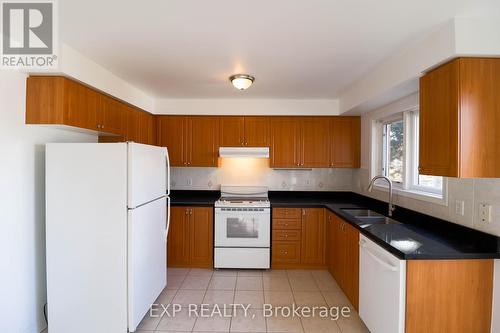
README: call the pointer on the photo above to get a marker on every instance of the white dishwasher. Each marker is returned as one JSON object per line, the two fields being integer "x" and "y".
{"x": 382, "y": 288}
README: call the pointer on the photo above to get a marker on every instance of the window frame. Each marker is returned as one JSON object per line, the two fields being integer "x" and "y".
{"x": 409, "y": 187}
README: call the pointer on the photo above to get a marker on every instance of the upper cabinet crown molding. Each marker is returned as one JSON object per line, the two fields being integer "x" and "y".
{"x": 459, "y": 119}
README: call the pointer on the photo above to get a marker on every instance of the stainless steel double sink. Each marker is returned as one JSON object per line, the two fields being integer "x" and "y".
{"x": 366, "y": 217}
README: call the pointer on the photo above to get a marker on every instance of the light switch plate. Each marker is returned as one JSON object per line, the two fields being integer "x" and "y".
{"x": 459, "y": 207}
{"x": 485, "y": 212}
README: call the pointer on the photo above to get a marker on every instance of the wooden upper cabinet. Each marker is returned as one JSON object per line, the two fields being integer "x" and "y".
{"x": 81, "y": 105}
{"x": 60, "y": 101}
{"x": 345, "y": 134}
{"x": 285, "y": 142}
{"x": 438, "y": 121}
{"x": 257, "y": 131}
{"x": 232, "y": 131}
{"x": 244, "y": 131}
{"x": 171, "y": 133}
{"x": 313, "y": 236}
{"x": 315, "y": 143}
{"x": 191, "y": 141}
{"x": 141, "y": 126}
{"x": 111, "y": 115}
{"x": 202, "y": 141}
{"x": 459, "y": 122}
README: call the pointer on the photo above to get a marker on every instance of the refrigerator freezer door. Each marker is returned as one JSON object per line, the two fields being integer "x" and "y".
{"x": 147, "y": 274}
{"x": 147, "y": 173}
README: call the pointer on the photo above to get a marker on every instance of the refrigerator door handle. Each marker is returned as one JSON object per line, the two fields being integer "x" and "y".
{"x": 168, "y": 176}
{"x": 168, "y": 216}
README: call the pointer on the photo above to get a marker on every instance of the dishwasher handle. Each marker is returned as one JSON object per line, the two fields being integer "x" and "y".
{"x": 377, "y": 258}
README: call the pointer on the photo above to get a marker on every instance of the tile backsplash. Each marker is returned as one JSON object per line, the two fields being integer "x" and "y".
{"x": 256, "y": 172}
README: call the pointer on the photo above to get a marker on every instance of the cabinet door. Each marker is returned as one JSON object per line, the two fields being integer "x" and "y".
{"x": 202, "y": 141}
{"x": 439, "y": 121}
{"x": 80, "y": 105}
{"x": 339, "y": 250}
{"x": 257, "y": 131}
{"x": 351, "y": 283}
{"x": 285, "y": 142}
{"x": 178, "y": 238}
{"x": 111, "y": 115}
{"x": 330, "y": 242}
{"x": 313, "y": 236}
{"x": 171, "y": 133}
{"x": 286, "y": 252}
{"x": 147, "y": 128}
{"x": 232, "y": 133}
{"x": 133, "y": 125}
{"x": 315, "y": 142}
{"x": 345, "y": 142}
{"x": 201, "y": 234}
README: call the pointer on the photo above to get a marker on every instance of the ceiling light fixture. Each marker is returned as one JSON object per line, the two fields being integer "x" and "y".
{"x": 241, "y": 81}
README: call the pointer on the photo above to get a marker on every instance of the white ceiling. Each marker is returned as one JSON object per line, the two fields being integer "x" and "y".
{"x": 296, "y": 49}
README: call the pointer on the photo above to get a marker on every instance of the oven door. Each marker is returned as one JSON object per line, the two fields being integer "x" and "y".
{"x": 242, "y": 227}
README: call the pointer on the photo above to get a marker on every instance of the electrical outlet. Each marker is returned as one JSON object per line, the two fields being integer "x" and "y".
{"x": 308, "y": 182}
{"x": 190, "y": 181}
{"x": 459, "y": 207}
{"x": 485, "y": 212}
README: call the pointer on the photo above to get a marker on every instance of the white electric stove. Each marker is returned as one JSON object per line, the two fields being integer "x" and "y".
{"x": 243, "y": 228}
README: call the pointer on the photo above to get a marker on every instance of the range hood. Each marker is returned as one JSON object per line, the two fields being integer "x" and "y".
{"x": 255, "y": 152}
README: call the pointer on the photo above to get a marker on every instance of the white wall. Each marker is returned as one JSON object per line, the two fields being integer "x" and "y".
{"x": 247, "y": 106}
{"x": 22, "y": 207}
{"x": 75, "y": 65}
{"x": 398, "y": 75}
{"x": 241, "y": 171}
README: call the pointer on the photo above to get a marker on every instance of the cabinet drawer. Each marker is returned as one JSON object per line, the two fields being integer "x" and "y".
{"x": 287, "y": 224}
{"x": 286, "y": 252}
{"x": 287, "y": 213}
{"x": 286, "y": 235}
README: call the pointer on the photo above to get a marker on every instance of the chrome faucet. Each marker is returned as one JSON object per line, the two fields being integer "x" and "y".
{"x": 370, "y": 187}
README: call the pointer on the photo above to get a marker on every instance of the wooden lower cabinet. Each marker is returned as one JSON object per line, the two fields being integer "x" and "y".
{"x": 343, "y": 256}
{"x": 449, "y": 296}
{"x": 298, "y": 238}
{"x": 313, "y": 236}
{"x": 190, "y": 238}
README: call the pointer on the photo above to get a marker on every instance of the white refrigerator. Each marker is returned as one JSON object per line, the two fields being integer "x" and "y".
{"x": 107, "y": 217}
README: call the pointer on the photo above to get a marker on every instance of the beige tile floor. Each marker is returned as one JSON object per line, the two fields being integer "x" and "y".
{"x": 276, "y": 287}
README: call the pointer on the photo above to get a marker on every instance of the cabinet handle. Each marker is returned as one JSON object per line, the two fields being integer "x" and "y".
{"x": 187, "y": 211}
{"x": 190, "y": 212}
{"x": 286, "y": 224}
{"x": 242, "y": 143}
{"x": 246, "y": 143}
{"x": 303, "y": 212}
{"x": 286, "y": 236}
{"x": 285, "y": 252}
{"x": 102, "y": 126}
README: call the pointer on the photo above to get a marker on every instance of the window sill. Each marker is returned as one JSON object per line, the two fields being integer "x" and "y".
{"x": 439, "y": 199}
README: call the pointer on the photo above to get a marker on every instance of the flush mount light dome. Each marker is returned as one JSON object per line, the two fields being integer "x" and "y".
{"x": 241, "y": 81}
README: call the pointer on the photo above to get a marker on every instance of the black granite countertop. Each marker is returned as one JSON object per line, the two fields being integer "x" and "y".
{"x": 419, "y": 236}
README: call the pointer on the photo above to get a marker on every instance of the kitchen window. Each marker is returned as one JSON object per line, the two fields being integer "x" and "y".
{"x": 396, "y": 157}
